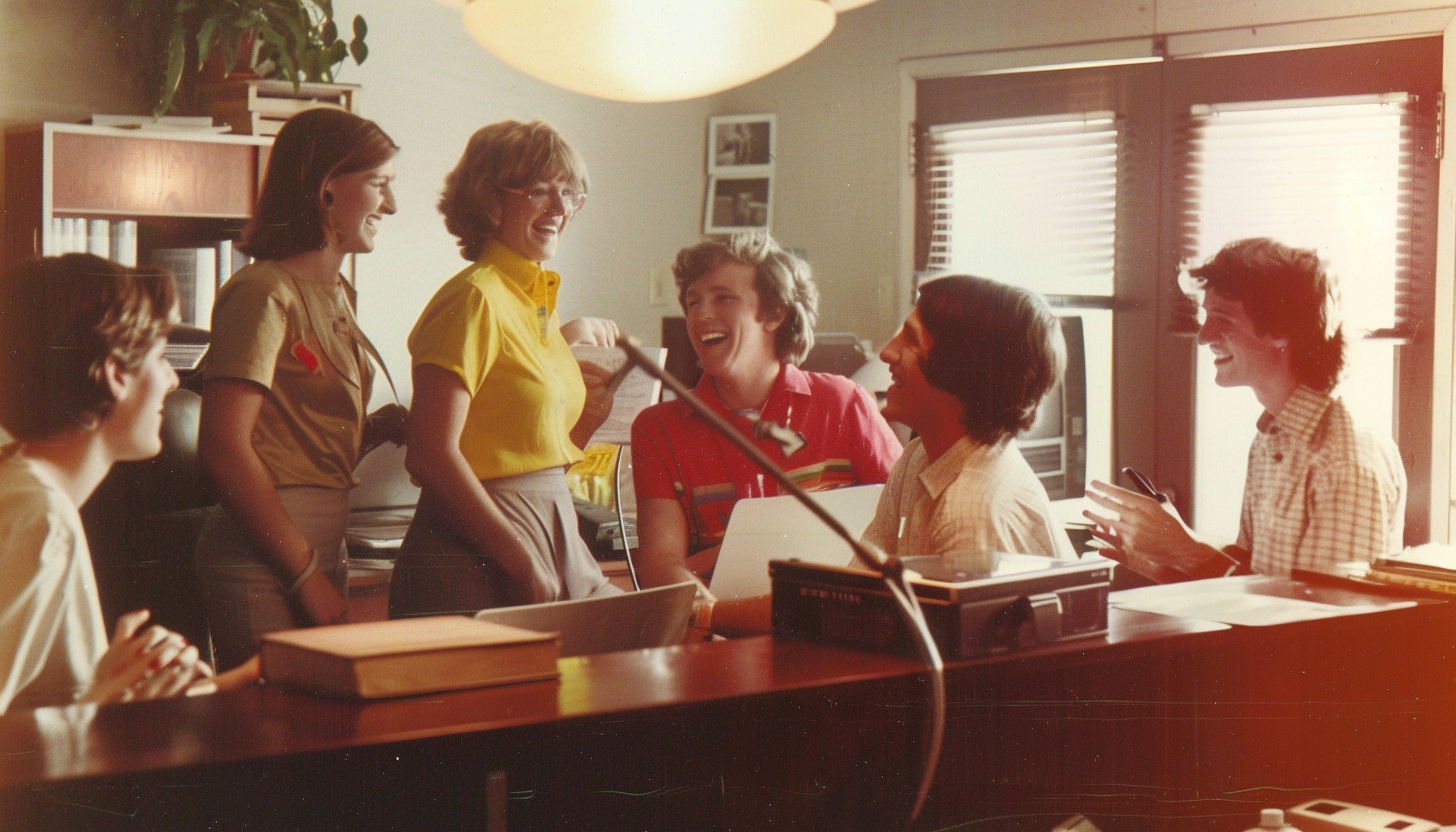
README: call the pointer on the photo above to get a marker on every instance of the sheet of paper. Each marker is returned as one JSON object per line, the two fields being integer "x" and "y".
{"x": 779, "y": 528}
{"x": 634, "y": 393}
{"x": 1430, "y": 554}
{"x": 1227, "y": 601}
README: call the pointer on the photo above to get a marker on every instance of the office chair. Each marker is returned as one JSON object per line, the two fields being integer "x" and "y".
{"x": 142, "y": 524}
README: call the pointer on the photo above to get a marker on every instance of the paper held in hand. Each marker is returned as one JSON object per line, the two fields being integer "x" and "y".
{"x": 408, "y": 656}
{"x": 634, "y": 393}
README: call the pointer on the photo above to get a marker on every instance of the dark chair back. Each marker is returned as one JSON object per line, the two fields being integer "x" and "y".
{"x": 142, "y": 525}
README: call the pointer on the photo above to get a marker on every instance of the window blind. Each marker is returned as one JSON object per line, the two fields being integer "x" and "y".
{"x": 1030, "y": 201}
{"x": 1342, "y": 175}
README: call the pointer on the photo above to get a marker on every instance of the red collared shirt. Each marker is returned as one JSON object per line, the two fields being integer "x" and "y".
{"x": 677, "y": 455}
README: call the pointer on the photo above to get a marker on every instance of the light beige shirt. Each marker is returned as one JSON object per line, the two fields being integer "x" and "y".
{"x": 51, "y": 630}
{"x": 973, "y": 501}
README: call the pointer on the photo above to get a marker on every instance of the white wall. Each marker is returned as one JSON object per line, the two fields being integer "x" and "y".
{"x": 430, "y": 86}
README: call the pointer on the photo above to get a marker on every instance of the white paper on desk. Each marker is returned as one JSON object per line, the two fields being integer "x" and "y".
{"x": 780, "y": 528}
{"x": 634, "y": 393}
{"x": 1227, "y": 601}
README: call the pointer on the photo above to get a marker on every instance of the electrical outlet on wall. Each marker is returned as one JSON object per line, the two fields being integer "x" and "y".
{"x": 660, "y": 286}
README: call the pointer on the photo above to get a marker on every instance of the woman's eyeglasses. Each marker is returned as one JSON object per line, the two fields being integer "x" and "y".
{"x": 540, "y": 196}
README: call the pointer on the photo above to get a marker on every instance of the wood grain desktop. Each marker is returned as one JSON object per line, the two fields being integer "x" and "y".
{"x": 1164, "y": 724}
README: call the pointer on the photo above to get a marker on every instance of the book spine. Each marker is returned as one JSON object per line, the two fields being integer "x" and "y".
{"x": 98, "y": 238}
{"x": 124, "y": 242}
{"x": 1435, "y": 574}
{"x": 224, "y": 261}
{"x": 75, "y": 236}
{"x": 1427, "y": 584}
{"x": 206, "y": 291}
{"x": 182, "y": 264}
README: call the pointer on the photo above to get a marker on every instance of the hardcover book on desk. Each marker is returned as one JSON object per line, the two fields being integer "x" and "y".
{"x": 408, "y": 656}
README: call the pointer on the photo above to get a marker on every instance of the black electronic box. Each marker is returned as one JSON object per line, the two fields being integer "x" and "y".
{"x": 1024, "y": 600}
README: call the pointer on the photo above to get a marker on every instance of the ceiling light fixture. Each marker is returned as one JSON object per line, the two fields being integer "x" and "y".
{"x": 650, "y": 50}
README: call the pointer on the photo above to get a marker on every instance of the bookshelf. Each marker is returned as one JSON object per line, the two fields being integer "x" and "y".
{"x": 182, "y": 189}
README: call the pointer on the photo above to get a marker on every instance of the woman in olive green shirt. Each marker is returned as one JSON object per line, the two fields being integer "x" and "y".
{"x": 287, "y": 384}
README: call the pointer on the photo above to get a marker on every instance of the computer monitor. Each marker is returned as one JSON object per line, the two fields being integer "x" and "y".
{"x": 1055, "y": 446}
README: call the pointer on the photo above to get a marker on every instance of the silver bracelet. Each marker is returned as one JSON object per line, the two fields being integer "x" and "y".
{"x": 307, "y": 573}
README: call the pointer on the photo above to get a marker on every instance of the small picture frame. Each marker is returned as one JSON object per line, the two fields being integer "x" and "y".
{"x": 741, "y": 144}
{"x": 738, "y": 203}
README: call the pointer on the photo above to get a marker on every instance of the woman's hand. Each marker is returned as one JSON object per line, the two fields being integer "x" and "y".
{"x": 321, "y": 601}
{"x": 598, "y": 406}
{"x": 155, "y": 664}
{"x": 387, "y": 424}
{"x": 433, "y": 458}
{"x": 599, "y": 332}
{"x": 230, "y": 409}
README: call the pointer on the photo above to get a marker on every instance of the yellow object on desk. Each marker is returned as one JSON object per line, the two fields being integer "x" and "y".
{"x": 592, "y": 478}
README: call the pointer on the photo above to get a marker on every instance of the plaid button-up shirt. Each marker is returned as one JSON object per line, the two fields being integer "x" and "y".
{"x": 1319, "y": 490}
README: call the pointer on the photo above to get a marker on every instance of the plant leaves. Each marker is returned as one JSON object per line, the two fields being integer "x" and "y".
{"x": 204, "y": 41}
{"x": 359, "y": 50}
{"x": 287, "y": 63}
{"x": 360, "y": 27}
{"x": 172, "y": 75}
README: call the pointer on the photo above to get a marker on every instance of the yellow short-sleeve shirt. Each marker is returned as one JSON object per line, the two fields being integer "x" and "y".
{"x": 295, "y": 340}
{"x": 494, "y": 325}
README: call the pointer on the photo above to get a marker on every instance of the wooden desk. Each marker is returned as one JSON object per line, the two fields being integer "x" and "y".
{"x": 1164, "y": 724}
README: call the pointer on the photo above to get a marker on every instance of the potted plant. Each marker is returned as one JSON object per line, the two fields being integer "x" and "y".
{"x": 172, "y": 40}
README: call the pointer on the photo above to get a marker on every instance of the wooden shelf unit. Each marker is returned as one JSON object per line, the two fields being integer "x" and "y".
{"x": 183, "y": 188}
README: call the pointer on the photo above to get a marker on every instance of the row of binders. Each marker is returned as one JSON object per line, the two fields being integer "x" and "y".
{"x": 113, "y": 240}
{"x": 199, "y": 270}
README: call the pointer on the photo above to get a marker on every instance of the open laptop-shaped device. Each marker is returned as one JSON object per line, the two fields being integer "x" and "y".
{"x": 655, "y": 617}
{"x": 780, "y": 528}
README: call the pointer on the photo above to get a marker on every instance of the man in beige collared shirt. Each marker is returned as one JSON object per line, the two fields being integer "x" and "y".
{"x": 968, "y": 369}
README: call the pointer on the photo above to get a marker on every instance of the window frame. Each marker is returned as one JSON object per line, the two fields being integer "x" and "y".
{"x": 1152, "y": 98}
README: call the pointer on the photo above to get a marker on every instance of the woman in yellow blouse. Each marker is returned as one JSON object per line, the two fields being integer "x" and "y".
{"x": 500, "y": 406}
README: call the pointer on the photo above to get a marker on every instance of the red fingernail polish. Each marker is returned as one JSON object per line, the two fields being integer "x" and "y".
{"x": 156, "y": 664}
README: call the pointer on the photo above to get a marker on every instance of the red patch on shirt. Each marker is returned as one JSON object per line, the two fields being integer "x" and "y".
{"x": 305, "y": 356}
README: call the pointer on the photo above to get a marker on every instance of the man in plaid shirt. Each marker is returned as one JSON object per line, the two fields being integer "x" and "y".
{"x": 1319, "y": 490}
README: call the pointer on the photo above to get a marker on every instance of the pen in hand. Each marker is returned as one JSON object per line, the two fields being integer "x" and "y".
{"x": 1145, "y": 485}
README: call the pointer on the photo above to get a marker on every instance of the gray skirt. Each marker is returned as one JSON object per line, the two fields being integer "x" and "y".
{"x": 241, "y": 589}
{"x": 438, "y": 573}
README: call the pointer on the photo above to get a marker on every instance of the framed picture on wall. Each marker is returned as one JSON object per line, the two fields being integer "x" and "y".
{"x": 741, "y": 144}
{"x": 738, "y": 203}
